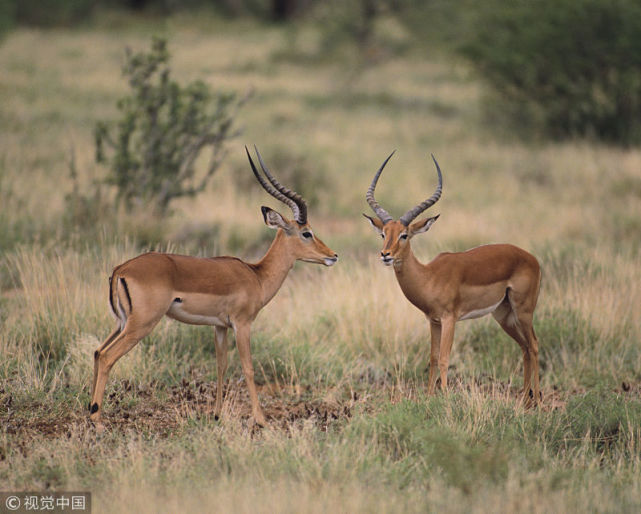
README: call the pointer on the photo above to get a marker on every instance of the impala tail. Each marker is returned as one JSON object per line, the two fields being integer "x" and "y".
{"x": 119, "y": 299}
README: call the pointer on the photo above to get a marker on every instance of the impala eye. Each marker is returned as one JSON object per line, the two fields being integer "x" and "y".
{"x": 307, "y": 235}
{"x": 403, "y": 236}
{"x": 383, "y": 236}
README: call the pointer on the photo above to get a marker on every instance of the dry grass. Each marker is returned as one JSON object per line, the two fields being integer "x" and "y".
{"x": 340, "y": 354}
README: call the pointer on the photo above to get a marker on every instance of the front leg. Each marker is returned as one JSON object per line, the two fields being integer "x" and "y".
{"x": 447, "y": 338}
{"x": 435, "y": 348}
{"x": 242, "y": 342}
{"x": 221, "y": 364}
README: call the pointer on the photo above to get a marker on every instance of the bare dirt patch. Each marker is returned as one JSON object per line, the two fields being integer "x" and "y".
{"x": 163, "y": 410}
{"x": 283, "y": 406}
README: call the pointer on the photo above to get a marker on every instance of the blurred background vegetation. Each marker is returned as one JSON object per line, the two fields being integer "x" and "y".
{"x": 556, "y": 68}
{"x": 532, "y": 109}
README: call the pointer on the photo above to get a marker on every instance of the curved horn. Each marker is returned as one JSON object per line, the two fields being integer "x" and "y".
{"x": 369, "y": 196}
{"x": 407, "y": 218}
{"x": 301, "y": 215}
{"x": 272, "y": 191}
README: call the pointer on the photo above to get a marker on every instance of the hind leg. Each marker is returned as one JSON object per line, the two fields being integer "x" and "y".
{"x": 525, "y": 322}
{"x": 508, "y": 321}
{"x": 115, "y": 332}
{"x": 523, "y": 297}
{"x": 515, "y": 317}
{"x": 132, "y": 332}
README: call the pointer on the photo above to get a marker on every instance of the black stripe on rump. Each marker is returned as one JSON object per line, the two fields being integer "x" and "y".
{"x": 124, "y": 285}
{"x": 111, "y": 296}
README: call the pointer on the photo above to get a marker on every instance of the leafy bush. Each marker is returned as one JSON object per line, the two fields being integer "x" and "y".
{"x": 564, "y": 67}
{"x": 164, "y": 127}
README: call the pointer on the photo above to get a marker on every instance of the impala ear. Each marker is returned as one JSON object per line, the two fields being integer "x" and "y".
{"x": 274, "y": 219}
{"x": 420, "y": 226}
{"x": 376, "y": 223}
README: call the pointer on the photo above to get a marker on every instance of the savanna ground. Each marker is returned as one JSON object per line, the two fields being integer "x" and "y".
{"x": 341, "y": 357}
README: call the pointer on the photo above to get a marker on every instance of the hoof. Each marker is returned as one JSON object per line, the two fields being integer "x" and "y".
{"x": 531, "y": 393}
{"x": 96, "y": 423}
{"x": 530, "y": 401}
{"x": 259, "y": 421}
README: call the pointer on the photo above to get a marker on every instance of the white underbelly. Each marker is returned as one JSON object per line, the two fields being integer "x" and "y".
{"x": 477, "y": 313}
{"x": 178, "y": 313}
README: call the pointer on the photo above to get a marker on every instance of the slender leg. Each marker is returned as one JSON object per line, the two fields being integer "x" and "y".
{"x": 516, "y": 319}
{"x": 435, "y": 348}
{"x": 525, "y": 321}
{"x": 108, "y": 356}
{"x": 221, "y": 364}
{"x": 242, "y": 342}
{"x": 115, "y": 332}
{"x": 509, "y": 324}
{"x": 447, "y": 338}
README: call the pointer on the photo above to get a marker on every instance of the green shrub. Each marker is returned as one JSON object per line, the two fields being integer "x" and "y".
{"x": 164, "y": 127}
{"x": 565, "y": 68}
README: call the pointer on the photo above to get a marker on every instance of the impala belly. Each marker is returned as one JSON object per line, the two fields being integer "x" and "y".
{"x": 477, "y": 313}
{"x": 182, "y": 309}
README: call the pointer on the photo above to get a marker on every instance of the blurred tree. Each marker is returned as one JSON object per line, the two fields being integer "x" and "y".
{"x": 283, "y": 9}
{"x": 563, "y": 67}
{"x": 164, "y": 127}
{"x": 7, "y": 16}
{"x": 48, "y": 13}
{"x": 354, "y": 24}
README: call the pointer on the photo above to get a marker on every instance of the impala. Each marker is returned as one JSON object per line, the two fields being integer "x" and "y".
{"x": 500, "y": 279}
{"x": 224, "y": 292}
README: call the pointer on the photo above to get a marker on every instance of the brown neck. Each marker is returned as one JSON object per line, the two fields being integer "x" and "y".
{"x": 408, "y": 269}
{"x": 274, "y": 266}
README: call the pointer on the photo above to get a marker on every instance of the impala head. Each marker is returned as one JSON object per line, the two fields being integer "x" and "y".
{"x": 396, "y": 234}
{"x": 299, "y": 235}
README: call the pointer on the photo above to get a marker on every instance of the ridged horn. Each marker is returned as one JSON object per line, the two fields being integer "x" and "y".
{"x": 407, "y": 218}
{"x": 369, "y": 196}
{"x": 290, "y": 198}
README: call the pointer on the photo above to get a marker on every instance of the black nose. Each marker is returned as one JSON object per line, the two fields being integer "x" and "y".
{"x": 384, "y": 254}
